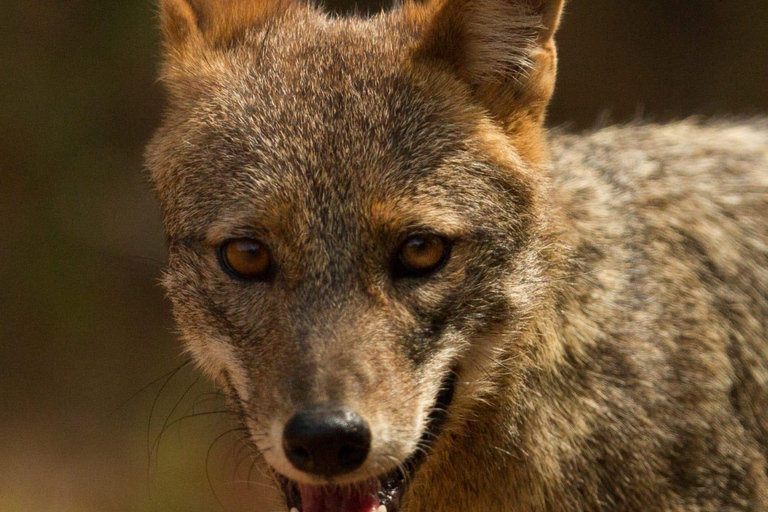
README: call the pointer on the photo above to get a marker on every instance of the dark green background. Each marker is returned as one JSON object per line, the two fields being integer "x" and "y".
{"x": 83, "y": 322}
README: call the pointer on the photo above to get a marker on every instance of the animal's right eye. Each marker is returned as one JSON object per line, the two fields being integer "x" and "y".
{"x": 246, "y": 259}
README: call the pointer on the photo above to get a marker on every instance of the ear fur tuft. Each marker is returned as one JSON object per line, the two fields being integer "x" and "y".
{"x": 503, "y": 49}
{"x": 179, "y": 23}
{"x": 499, "y": 39}
{"x": 213, "y": 22}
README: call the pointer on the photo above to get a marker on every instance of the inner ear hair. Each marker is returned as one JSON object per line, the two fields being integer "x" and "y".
{"x": 503, "y": 49}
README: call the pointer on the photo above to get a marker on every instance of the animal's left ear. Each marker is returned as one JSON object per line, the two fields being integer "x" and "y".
{"x": 503, "y": 49}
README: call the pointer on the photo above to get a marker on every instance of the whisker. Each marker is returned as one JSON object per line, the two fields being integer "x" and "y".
{"x": 156, "y": 444}
{"x": 208, "y": 460}
{"x": 147, "y": 386}
{"x": 168, "y": 379}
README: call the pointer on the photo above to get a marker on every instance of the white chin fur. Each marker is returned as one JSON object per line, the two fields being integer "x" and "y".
{"x": 216, "y": 356}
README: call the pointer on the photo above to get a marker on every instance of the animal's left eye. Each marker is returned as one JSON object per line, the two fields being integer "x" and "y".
{"x": 421, "y": 255}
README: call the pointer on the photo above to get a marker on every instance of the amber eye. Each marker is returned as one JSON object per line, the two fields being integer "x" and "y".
{"x": 422, "y": 254}
{"x": 246, "y": 258}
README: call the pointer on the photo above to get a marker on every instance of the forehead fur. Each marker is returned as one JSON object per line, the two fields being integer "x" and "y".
{"x": 309, "y": 107}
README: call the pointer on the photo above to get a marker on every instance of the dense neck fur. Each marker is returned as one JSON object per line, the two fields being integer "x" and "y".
{"x": 651, "y": 334}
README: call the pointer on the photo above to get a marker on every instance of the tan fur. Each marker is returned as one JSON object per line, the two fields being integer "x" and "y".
{"x": 604, "y": 305}
{"x": 200, "y": 23}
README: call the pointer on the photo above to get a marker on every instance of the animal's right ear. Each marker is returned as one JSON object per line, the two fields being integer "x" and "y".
{"x": 195, "y": 23}
{"x": 180, "y": 23}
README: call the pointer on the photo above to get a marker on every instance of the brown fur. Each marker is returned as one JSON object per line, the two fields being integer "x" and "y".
{"x": 605, "y": 302}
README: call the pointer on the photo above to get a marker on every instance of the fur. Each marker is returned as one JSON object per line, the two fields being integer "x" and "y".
{"x": 605, "y": 303}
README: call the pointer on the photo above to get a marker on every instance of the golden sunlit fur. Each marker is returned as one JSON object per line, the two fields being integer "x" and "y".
{"x": 604, "y": 305}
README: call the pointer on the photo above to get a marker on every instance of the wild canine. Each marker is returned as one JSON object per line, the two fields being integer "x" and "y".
{"x": 418, "y": 300}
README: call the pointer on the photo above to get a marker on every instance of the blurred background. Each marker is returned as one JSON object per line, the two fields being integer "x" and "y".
{"x": 85, "y": 332}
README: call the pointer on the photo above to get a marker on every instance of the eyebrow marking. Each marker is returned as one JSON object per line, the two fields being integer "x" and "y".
{"x": 404, "y": 214}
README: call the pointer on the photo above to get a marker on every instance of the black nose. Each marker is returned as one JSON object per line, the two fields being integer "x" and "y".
{"x": 327, "y": 440}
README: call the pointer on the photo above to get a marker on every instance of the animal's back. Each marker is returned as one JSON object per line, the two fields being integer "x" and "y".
{"x": 669, "y": 226}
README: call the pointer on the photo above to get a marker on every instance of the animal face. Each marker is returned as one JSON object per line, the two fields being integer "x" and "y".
{"x": 350, "y": 218}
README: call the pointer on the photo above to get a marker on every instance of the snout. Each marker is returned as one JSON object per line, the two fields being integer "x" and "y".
{"x": 333, "y": 460}
{"x": 327, "y": 440}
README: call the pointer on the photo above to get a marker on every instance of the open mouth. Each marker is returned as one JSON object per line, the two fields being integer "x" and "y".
{"x": 382, "y": 494}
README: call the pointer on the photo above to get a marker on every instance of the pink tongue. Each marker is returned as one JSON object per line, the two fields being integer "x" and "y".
{"x": 362, "y": 497}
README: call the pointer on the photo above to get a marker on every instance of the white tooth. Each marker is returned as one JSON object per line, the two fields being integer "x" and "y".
{"x": 294, "y": 509}
{"x": 382, "y": 508}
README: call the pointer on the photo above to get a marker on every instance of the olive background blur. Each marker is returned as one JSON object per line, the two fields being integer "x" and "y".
{"x": 83, "y": 321}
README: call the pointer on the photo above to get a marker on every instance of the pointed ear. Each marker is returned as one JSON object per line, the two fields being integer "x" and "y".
{"x": 188, "y": 23}
{"x": 503, "y": 49}
{"x": 179, "y": 22}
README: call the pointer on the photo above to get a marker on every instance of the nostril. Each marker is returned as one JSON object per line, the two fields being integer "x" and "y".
{"x": 327, "y": 440}
{"x": 352, "y": 456}
{"x": 300, "y": 456}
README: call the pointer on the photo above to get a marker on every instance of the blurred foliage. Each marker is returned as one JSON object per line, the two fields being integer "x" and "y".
{"x": 83, "y": 323}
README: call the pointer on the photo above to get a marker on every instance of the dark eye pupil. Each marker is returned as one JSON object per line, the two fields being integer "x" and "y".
{"x": 249, "y": 247}
{"x": 417, "y": 244}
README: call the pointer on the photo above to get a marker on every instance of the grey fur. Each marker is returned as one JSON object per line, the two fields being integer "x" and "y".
{"x": 605, "y": 302}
